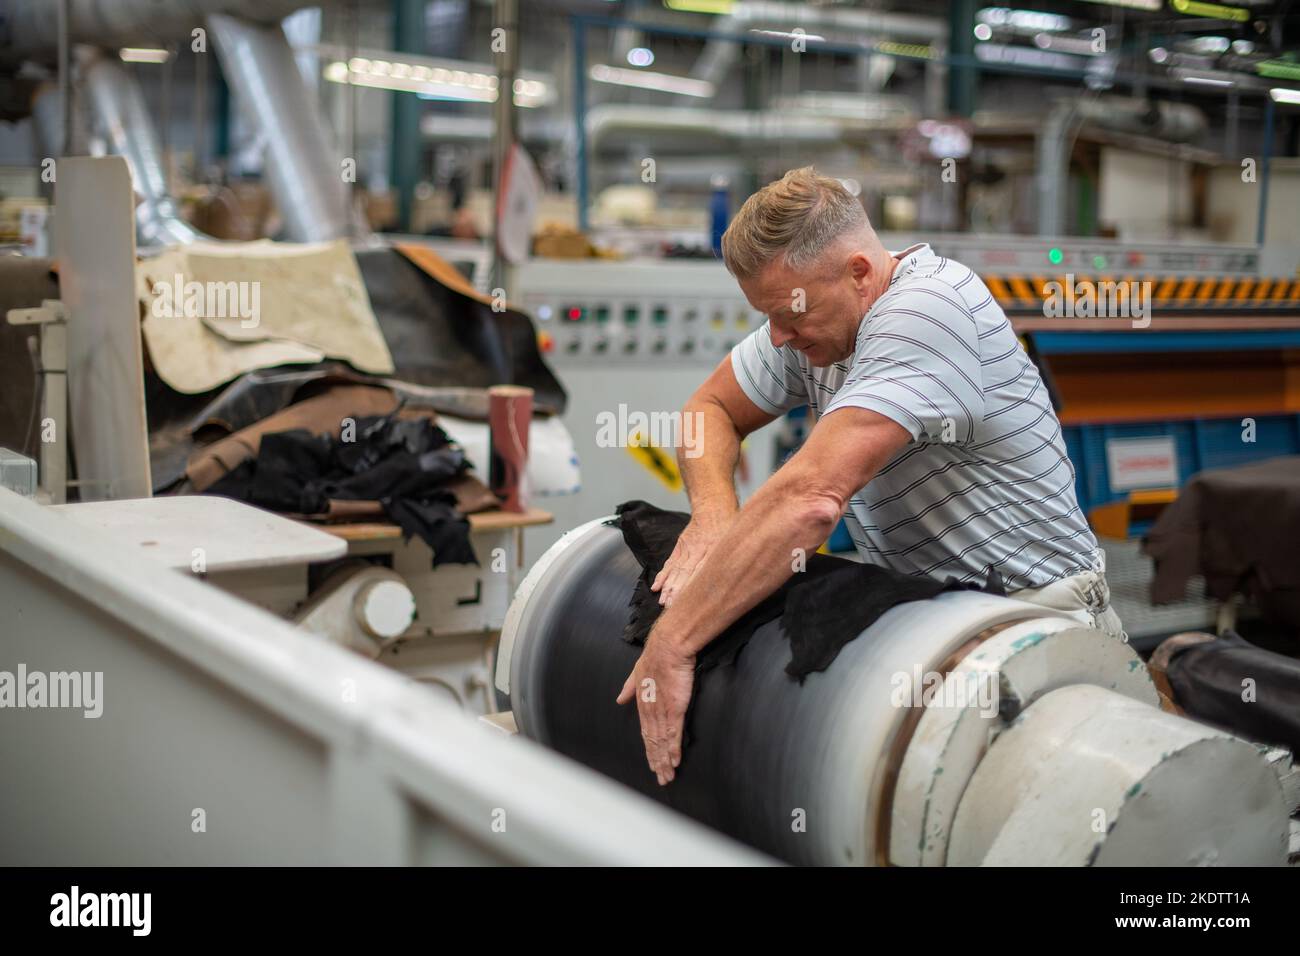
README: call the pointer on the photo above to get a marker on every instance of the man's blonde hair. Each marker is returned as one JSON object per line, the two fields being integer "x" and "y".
{"x": 795, "y": 218}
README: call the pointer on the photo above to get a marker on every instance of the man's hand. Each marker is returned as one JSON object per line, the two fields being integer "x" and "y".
{"x": 693, "y": 546}
{"x": 661, "y": 681}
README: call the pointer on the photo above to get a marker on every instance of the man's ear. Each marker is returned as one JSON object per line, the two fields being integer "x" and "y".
{"x": 860, "y": 269}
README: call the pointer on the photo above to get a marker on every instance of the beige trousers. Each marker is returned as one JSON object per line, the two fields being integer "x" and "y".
{"x": 1084, "y": 596}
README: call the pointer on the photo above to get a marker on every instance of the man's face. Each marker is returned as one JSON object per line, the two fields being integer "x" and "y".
{"x": 817, "y": 311}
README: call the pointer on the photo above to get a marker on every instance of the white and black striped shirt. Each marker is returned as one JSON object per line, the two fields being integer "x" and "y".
{"x": 985, "y": 481}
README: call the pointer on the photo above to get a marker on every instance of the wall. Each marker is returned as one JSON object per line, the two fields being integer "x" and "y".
{"x": 1233, "y": 205}
{"x": 1143, "y": 196}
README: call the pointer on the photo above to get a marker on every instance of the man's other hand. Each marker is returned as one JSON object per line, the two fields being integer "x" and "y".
{"x": 692, "y": 547}
{"x": 661, "y": 682}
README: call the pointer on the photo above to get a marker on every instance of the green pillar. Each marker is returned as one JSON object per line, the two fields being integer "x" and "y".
{"x": 407, "y": 149}
{"x": 220, "y": 111}
{"x": 961, "y": 45}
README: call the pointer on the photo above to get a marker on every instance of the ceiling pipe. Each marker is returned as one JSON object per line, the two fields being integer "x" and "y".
{"x": 302, "y": 166}
{"x": 719, "y": 55}
{"x": 1176, "y": 122}
{"x": 119, "y": 109}
{"x": 29, "y": 29}
{"x": 732, "y": 124}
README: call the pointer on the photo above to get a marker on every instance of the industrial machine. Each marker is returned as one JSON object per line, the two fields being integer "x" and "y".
{"x": 227, "y": 736}
{"x": 970, "y": 729}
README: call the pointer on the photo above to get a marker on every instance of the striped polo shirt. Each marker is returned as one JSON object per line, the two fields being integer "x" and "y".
{"x": 985, "y": 482}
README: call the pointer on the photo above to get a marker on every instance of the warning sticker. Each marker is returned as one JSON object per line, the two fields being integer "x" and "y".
{"x": 658, "y": 461}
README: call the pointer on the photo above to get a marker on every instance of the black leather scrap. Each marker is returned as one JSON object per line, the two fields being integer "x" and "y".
{"x": 404, "y": 464}
{"x": 820, "y": 609}
{"x": 1208, "y": 681}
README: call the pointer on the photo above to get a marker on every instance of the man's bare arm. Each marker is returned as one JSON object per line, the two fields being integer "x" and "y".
{"x": 723, "y": 415}
{"x": 797, "y": 508}
{"x": 727, "y": 415}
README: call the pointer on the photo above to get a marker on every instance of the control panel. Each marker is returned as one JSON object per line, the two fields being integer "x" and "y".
{"x": 600, "y": 313}
{"x": 612, "y": 313}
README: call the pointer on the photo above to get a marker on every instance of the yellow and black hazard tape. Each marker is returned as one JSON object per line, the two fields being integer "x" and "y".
{"x": 1021, "y": 291}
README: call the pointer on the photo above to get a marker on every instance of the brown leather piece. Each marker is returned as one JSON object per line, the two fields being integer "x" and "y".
{"x": 319, "y": 415}
{"x": 440, "y": 269}
{"x": 324, "y": 414}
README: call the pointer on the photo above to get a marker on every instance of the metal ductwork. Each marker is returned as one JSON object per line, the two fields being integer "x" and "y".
{"x": 301, "y": 165}
{"x": 719, "y": 56}
{"x": 765, "y": 126}
{"x": 1176, "y": 122}
{"x": 30, "y": 28}
{"x": 124, "y": 119}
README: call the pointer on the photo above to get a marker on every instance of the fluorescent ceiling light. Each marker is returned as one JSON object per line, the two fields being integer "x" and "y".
{"x": 431, "y": 82}
{"x": 892, "y": 48}
{"x": 1217, "y": 11}
{"x": 1203, "y": 77}
{"x": 649, "y": 80}
{"x": 1022, "y": 19}
{"x": 1132, "y": 4}
{"x": 1283, "y": 95}
{"x": 1064, "y": 44}
{"x": 1208, "y": 45}
{"x": 136, "y": 54}
{"x": 787, "y": 35}
{"x": 1278, "y": 69}
{"x": 700, "y": 6}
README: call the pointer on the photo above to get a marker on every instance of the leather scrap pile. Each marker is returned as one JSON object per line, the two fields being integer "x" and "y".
{"x": 323, "y": 401}
{"x": 402, "y": 466}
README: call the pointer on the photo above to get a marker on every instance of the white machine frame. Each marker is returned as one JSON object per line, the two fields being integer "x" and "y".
{"x": 295, "y": 750}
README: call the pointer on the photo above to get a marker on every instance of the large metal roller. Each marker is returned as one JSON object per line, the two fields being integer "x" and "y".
{"x": 844, "y": 769}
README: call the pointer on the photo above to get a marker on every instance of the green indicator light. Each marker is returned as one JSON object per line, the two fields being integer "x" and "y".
{"x": 1099, "y": 261}
{"x": 1196, "y": 8}
{"x": 1054, "y": 256}
{"x": 1279, "y": 69}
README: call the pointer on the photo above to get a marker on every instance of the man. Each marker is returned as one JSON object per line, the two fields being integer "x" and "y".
{"x": 934, "y": 438}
